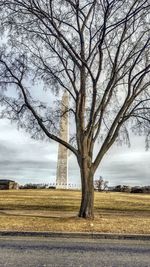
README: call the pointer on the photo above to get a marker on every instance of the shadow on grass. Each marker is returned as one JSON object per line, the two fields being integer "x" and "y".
{"x": 41, "y": 208}
{"x": 58, "y": 217}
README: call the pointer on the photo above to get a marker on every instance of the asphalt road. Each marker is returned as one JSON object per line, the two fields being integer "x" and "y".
{"x": 50, "y": 252}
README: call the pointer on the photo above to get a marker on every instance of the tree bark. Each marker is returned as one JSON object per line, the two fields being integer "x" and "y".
{"x": 87, "y": 199}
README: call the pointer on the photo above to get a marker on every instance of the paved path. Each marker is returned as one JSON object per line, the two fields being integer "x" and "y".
{"x": 56, "y": 252}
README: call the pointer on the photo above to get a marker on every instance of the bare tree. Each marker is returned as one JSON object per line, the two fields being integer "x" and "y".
{"x": 100, "y": 184}
{"x": 97, "y": 51}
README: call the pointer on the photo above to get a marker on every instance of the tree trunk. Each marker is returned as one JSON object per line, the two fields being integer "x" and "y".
{"x": 87, "y": 199}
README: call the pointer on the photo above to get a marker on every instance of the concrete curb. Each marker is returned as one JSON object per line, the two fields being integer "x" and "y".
{"x": 80, "y": 235}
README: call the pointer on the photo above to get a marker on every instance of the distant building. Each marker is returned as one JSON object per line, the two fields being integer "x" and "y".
{"x": 8, "y": 184}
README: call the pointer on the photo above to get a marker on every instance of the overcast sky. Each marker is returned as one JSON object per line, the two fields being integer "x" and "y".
{"x": 29, "y": 161}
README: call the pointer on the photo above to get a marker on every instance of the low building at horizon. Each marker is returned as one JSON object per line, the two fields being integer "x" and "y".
{"x": 6, "y": 184}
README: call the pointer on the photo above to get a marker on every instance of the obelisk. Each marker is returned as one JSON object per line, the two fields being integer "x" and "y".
{"x": 62, "y": 161}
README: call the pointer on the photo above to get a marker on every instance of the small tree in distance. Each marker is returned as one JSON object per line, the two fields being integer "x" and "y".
{"x": 95, "y": 51}
{"x": 100, "y": 184}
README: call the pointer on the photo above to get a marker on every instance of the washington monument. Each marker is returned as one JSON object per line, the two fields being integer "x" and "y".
{"x": 62, "y": 161}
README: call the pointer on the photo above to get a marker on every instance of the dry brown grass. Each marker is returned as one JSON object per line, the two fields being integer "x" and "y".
{"x": 56, "y": 210}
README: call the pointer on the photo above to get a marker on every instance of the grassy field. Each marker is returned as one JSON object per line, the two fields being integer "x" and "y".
{"x": 56, "y": 210}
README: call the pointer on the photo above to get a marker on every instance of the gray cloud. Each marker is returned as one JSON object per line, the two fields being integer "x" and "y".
{"x": 24, "y": 159}
{"x": 127, "y": 166}
{"x": 27, "y": 160}
{"x": 6, "y": 152}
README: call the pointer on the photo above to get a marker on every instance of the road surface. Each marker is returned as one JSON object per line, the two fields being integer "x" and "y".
{"x": 55, "y": 252}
